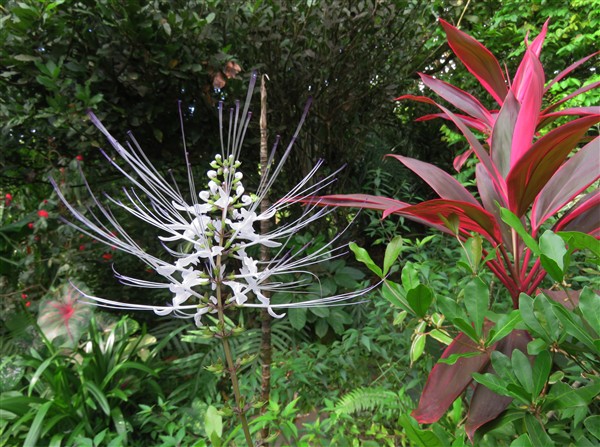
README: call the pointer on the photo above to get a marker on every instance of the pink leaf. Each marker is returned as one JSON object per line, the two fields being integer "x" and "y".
{"x": 446, "y": 382}
{"x": 584, "y": 216}
{"x": 458, "y": 98}
{"x": 471, "y": 218}
{"x": 502, "y": 135}
{"x": 579, "y": 172}
{"x": 536, "y": 45}
{"x": 446, "y": 186}
{"x": 490, "y": 198}
{"x": 528, "y": 87}
{"x": 461, "y": 159}
{"x": 533, "y": 170}
{"x": 471, "y": 122}
{"x": 478, "y": 60}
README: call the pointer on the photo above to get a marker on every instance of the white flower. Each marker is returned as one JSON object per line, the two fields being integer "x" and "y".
{"x": 208, "y": 240}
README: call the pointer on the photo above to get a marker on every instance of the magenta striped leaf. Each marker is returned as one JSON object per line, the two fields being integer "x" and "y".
{"x": 478, "y": 60}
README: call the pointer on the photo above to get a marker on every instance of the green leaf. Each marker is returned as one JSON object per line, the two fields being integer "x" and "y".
{"x": 474, "y": 246}
{"x": 395, "y": 295}
{"x": 417, "y": 347}
{"x": 536, "y": 432}
{"x": 522, "y": 368}
{"x": 453, "y": 358}
{"x": 98, "y": 396}
{"x": 514, "y": 222}
{"x": 297, "y": 316}
{"x": 363, "y": 256}
{"x": 416, "y": 436}
{"x": 491, "y": 381}
{"x": 36, "y": 426}
{"x": 392, "y": 251}
{"x": 592, "y": 424}
{"x": 213, "y": 422}
{"x": 419, "y": 299}
{"x": 541, "y": 371}
{"x": 440, "y": 336}
{"x": 581, "y": 241}
{"x": 553, "y": 246}
{"x": 321, "y": 312}
{"x": 562, "y": 396}
{"x": 410, "y": 276}
{"x": 504, "y": 326}
{"x": 573, "y": 325}
{"x": 589, "y": 303}
{"x": 321, "y": 328}
{"x": 476, "y": 301}
{"x": 522, "y": 441}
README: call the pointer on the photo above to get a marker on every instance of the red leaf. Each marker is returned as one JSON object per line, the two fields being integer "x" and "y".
{"x": 446, "y": 186}
{"x": 584, "y": 216}
{"x": 486, "y": 405}
{"x": 461, "y": 159}
{"x": 502, "y": 135}
{"x": 446, "y": 382}
{"x": 529, "y": 175}
{"x": 478, "y": 60}
{"x": 490, "y": 198}
{"x": 471, "y": 218}
{"x": 367, "y": 201}
{"x": 536, "y": 45}
{"x": 458, "y": 98}
{"x": 528, "y": 87}
{"x": 579, "y": 172}
{"x": 471, "y": 122}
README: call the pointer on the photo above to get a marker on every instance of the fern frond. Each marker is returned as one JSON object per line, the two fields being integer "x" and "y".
{"x": 370, "y": 399}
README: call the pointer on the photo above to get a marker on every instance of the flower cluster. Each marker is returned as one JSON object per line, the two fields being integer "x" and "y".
{"x": 210, "y": 237}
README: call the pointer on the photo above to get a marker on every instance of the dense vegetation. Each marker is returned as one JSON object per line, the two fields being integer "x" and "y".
{"x": 362, "y": 374}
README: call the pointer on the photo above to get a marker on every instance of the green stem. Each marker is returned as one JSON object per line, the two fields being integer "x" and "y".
{"x": 229, "y": 359}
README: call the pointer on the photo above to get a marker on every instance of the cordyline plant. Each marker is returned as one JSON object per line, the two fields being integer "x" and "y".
{"x": 524, "y": 176}
{"x": 209, "y": 236}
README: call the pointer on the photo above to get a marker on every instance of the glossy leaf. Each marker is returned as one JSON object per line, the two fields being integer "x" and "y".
{"x": 476, "y": 302}
{"x": 515, "y": 223}
{"x": 589, "y": 303}
{"x": 574, "y": 176}
{"x": 419, "y": 298}
{"x": 504, "y": 326}
{"x": 502, "y": 135}
{"x": 392, "y": 251}
{"x": 541, "y": 371}
{"x": 446, "y": 186}
{"x": 363, "y": 256}
{"x": 458, "y": 98}
{"x": 478, "y": 60}
{"x": 532, "y": 171}
{"x": 536, "y": 432}
{"x": 417, "y": 436}
{"x": 395, "y": 295}
{"x": 553, "y": 251}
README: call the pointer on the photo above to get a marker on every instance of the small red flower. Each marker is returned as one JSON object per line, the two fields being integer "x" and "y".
{"x": 45, "y": 201}
{"x": 7, "y": 199}
{"x": 79, "y": 158}
{"x": 107, "y": 256}
{"x": 28, "y": 303}
{"x": 43, "y": 213}
{"x": 30, "y": 225}
{"x": 81, "y": 247}
{"x": 23, "y": 296}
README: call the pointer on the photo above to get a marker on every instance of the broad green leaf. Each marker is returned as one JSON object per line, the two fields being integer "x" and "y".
{"x": 410, "y": 276}
{"x": 476, "y": 302}
{"x": 363, "y": 256}
{"x": 392, "y": 251}
{"x": 581, "y": 241}
{"x": 213, "y": 422}
{"x": 418, "y": 437}
{"x": 541, "y": 371}
{"x": 297, "y": 317}
{"x": 592, "y": 424}
{"x": 504, "y": 326}
{"x": 522, "y": 441}
{"x": 491, "y": 381}
{"x": 536, "y": 432}
{"x": 522, "y": 368}
{"x": 395, "y": 295}
{"x": 474, "y": 246}
{"x": 589, "y": 303}
{"x": 515, "y": 223}
{"x": 573, "y": 325}
{"x": 561, "y": 396}
{"x": 553, "y": 247}
{"x": 419, "y": 299}
{"x": 552, "y": 268}
{"x": 321, "y": 328}
{"x": 466, "y": 328}
{"x": 322, "y": 312}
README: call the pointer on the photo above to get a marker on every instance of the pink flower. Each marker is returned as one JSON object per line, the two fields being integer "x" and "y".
{"x": 8, "y": 199}
{"x": 107, "y": 256}
{"x": 24, "y": 296}
{"x": 81, "y": 247}
{"x": 79, "y": 158}
{"x": 43, "y": 213}
{"x": 30, "y": 225}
